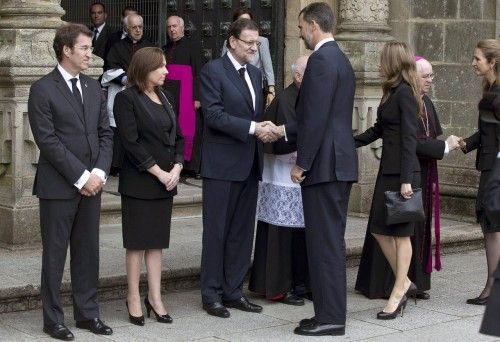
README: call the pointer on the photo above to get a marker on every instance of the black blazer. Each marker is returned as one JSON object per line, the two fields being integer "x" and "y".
{"x": 325, "y": 146}
{"x": 102, "y": 41}
{"x": 70, "y": 140}
{"x": 487, "y": 138}
{"x": 228, "y": 149}
{"x": 430, "y": 147}
{"x": 397, "y": 126}
{"x": 145, "y": 144}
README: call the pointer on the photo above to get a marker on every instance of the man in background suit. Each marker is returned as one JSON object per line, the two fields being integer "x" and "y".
{"x": 326, "y": 166}
{"x": 232, "y": 102}
{"x": 100, "y": 30}
{"x": 68, "y": 118}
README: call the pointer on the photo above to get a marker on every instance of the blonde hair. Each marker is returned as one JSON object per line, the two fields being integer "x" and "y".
{"x": 398, "y": 63}
{"x": 491, "y": 51}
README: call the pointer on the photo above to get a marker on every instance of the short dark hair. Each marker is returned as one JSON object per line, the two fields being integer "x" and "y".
{"x": 143, "y": 62}
{"x": 321, "y": 13}
{"x": 128, "y": 8}
{"x": 66, "y": 35}
{"x": 98, "y": 3}
{"x": 240, "y": 11}
{"x": 240, "y": 25}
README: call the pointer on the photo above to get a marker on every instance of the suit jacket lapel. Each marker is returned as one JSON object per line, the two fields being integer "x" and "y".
{"x": 171, "y": 115}
{"x": 257, "y": 88}
{"x": 86, "y": 99}
{"x": 64, "y": 89}
{"x": 234, "y": 76}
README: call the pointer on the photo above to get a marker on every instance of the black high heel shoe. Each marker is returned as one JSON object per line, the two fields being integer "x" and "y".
{"x": 160, "y": 318}
{"x": 137, "y": 320}
{"x": 412, "y": 292}
{"x": 391, "y": 315}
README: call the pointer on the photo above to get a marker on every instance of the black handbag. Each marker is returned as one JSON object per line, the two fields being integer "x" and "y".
{"x": 401, "y": 210}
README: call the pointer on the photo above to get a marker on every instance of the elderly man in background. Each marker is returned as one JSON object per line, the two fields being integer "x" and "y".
{"x": 115, "y": 77}
{"x": 183, "y": 58}
{"x": 280, "y": 271}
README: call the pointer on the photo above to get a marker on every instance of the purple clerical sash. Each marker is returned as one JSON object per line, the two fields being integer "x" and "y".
{"x": 187, "y": 113}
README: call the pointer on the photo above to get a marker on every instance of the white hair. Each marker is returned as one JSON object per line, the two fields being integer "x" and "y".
{"x": 128, "y": 17}
{"x": 300, "y": 65}
{"x": 179, "y": 19}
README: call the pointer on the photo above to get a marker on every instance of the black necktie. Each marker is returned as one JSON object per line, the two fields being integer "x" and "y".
{"x": 96, "y": 33}
{"x": 76, "y": 92}
{"x": 242, "y": 75}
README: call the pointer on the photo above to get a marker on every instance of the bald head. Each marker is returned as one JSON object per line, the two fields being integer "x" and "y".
{"x": 425, "y": 75}
{"x": 298, "y": 69}
{"x": 175, "y": 28}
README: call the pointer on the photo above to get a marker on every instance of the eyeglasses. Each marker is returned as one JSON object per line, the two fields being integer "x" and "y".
{"x": 85, "y": 48}
{"x": 430, "y": 76}
{"x": 250, "y": 44}
{"x": 136, "y": 27}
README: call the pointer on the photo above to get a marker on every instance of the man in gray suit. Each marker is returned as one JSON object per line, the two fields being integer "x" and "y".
{"x": 70, "y": 125}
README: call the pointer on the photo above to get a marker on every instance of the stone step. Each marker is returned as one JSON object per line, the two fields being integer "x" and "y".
{"x": 187, "y": 203}
{"x": 20, "y": 276}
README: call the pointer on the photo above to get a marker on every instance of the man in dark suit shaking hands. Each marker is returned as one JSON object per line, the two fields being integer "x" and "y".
{"x": 326, "y": 166}
{"x": 232, "y": 104}
{"x": 67, "y": 114}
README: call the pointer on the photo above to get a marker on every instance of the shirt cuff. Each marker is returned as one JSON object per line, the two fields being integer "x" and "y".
{"x": 284, "y": 132}
{"x": 446, "y": 149}
{"x": 252, "y": 128}
{"x": 100, "y": 173}
{"x": 82, "y": 180}
{"x": 498, "y": 155}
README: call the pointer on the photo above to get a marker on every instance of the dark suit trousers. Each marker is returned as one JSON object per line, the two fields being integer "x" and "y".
{"x": 325, "y": 214}
{"x": 228, "y": 229}
{"x": 74, "y": 222}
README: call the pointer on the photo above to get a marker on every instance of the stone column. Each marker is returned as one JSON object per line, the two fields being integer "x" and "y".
{"x": 26, "y": 32}
{"x": 362, "y": 31}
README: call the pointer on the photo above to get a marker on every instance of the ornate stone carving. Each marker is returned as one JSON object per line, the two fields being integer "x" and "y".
{"x": 369, "y": 16}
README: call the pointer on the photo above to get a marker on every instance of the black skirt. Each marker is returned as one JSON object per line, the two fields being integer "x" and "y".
{"x": 146, "y": 223}
{"x": 280, "y": 261}
{"x": 376, "y": 223}
{"x": 482, "y": 219}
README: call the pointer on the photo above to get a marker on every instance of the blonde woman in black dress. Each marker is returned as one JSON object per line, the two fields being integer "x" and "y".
{"x": 396, "y": 124}
{"x": 148, "y": 178}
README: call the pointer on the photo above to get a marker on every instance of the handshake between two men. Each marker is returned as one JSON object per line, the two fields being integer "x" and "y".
{"x": 266, "y": 131}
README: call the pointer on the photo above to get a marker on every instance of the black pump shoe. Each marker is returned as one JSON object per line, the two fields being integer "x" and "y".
{"x": 160, "y": 318}
{"x": 477, "y": 301}
{"x": 391, "y": 315}
{"x": 137, "y": 320}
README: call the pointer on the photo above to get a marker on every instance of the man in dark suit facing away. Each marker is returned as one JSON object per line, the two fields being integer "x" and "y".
{"x": 326, "y": 166}
{"x": 232, "y": 104}
{"x": 68, "y": 118}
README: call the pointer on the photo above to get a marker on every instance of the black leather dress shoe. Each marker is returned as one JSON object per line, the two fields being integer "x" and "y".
{"x": 320, "y": 329}
{"x": 423, "y": 295}
{"x": 95, "y": 325}
{"x": 59, "y": 332}
{"x": 216, "y": 309}
{"x": 243, "y": 304}
{"x": 477, "y": 301}
{"x": 306, "y": 321}
{"x": 292, "y": 299}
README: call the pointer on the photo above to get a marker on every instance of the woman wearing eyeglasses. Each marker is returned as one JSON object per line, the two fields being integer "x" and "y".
{"x": 262, "y": 58}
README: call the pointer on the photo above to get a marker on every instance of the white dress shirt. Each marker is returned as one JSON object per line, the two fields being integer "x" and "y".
{"x": 238, "y": 66}
{"x": 99, "y": 30}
